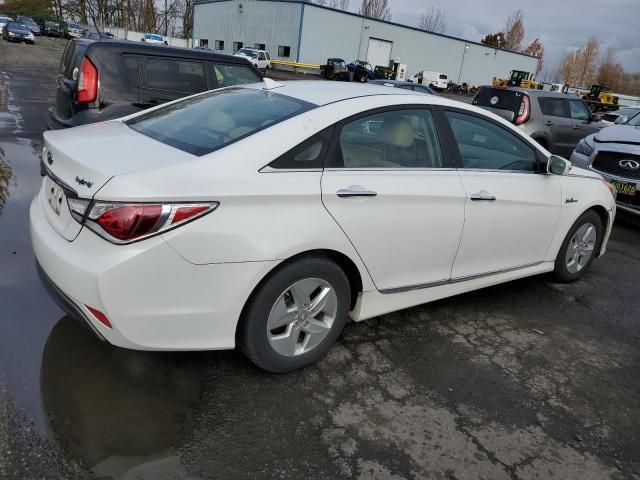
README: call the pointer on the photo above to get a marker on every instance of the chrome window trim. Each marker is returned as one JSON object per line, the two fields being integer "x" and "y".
{"x": 400, "y": 169}
{"x": 450, "y": 281}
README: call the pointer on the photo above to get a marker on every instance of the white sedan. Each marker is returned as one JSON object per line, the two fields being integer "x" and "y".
{"x": 265, "y": 216}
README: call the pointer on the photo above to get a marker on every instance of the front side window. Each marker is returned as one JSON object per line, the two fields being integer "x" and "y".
{"x": 394, "y": 139}
{"x": 229, "y": 75}
{"x": 579, "y": 111}
{"x": 208, "y": 122}
{"x": 554, "y": 107}
{"x": 487, "y": 146}
{"x": 175, "y": 75}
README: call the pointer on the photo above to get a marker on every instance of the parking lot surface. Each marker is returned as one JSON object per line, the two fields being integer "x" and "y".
{"x": 526, "y": 380}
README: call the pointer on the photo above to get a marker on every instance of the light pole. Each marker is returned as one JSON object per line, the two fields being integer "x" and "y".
{"x": 464, "y": 52}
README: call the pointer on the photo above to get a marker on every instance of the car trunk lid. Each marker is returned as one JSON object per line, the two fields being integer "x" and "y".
{"x": 80, "y": 161}
{"x": 501, "y": 101}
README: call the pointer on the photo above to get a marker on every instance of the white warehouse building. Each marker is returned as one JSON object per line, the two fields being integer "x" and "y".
{"x": 298, "y": 31}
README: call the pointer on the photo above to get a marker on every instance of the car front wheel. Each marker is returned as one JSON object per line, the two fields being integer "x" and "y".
{"x": 579, "y": 248}
{"x": 295, "y": 315}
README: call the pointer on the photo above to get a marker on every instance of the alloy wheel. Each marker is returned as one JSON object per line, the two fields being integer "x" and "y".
{"x": 302, "y": 317}
{"x": 580, "y": 248}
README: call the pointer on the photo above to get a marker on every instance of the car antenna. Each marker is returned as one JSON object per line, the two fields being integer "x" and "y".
{"x": 271, "y": 84}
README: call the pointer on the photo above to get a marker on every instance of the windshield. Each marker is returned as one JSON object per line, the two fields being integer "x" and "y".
{"x": 442, "y": 76}
{"x": 248, "y": 53}
{"x": 634, "y": 121}
{"x": 17, "y": 25}
{"x": 208, "y": 122}
{"x": 75, "y": 26}
{"x": 152, "y": 36}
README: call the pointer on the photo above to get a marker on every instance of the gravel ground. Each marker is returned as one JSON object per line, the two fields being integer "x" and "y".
{"x": 526, "y": 380}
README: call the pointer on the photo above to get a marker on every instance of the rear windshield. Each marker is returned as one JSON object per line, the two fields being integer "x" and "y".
{"x": 498, "y": 98}
{"x": 213, "y": 120}
{"x": 442, "y": 76}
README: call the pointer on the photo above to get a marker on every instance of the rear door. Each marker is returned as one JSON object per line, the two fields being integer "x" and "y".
{"x": 262, "y": 61}
{"x": 166, "y": 79}
{"x": 388, "y": 185}
{"x": 557, "y": 125}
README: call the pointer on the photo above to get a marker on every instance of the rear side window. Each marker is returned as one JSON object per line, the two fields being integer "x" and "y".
{"x": 229, "y": 75}
{"x": 175, "y": 75}
{"x": 309, "y": 154}
{"x": 71, "y": 58}
{"x": 208, "y": 122}
{"x": 394, "y": 139}
{"x": 554, "y": 107}
{"x": 486, "y": 146}
{"x": 498, "y": 98}
{"x": 132, "y": 65}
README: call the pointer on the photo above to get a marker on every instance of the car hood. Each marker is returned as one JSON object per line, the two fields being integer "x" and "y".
{"x": 619, "y": 134}
{"x": 18, "y": 30}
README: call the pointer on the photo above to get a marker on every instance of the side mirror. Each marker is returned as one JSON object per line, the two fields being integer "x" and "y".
{"x": 621, "y": 119}
{"x": 594, "y": 118}
{"x": 558, "y": 165}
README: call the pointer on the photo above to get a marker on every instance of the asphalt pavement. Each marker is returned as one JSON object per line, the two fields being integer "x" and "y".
{"x": 526, "y": 380}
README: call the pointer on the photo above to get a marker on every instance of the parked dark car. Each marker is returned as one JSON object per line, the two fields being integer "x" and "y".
{"x": 50, "y": 28}
{"x": 75, "y": 30}
{"x": 103, "y": 80}
{"x": 405, "y": 86}
{"x": 555, "y": 120}
{"x": 101, "y": 36}
{"x": 30, "y": 23}
{"x": 17, "y": 32}
{"x": 336, "y": 69}
{"x": 362, "y": 71}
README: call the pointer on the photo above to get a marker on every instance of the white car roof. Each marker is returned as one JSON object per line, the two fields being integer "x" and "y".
{"x": 321, "y": 92}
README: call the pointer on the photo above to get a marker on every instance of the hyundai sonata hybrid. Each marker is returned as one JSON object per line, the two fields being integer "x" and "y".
{"x": 264, "y": 216}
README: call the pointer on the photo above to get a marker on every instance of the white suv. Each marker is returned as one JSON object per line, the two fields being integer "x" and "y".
{"x": 259, "y": 58}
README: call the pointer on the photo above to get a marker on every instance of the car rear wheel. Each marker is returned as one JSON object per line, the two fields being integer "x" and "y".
{"x": 579, "y": 248}
{"x": 296, "y": 315}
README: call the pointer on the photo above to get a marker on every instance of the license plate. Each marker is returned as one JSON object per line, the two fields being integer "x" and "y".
{"x": 625, "y": 188}
{"x": 55, "y": 196}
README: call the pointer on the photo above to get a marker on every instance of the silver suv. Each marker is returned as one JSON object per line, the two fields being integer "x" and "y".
{"x": 555, "y": 120}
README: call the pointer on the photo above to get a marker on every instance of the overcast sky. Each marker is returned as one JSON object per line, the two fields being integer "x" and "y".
{"x": 560, "y": 24}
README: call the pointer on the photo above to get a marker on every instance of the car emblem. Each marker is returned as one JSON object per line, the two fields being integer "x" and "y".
{"x": 82, "y": 181}
{"x": 49, "y": 158}
{"x": 494, "y": 100}
{"x": 629, "y": 164}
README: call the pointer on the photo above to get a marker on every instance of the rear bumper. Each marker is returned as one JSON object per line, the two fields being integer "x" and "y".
{"x": 153, "y": 298}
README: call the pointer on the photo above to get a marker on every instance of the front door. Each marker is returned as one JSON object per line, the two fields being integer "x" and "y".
{"x": 512, "y": 211}
{"x": 389, "y": 187}
{"x": 581, "y": 119}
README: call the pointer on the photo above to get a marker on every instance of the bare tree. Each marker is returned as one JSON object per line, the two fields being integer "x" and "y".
{"x": 514, "y": 31}
{"x": 433, "y": 21}
{"x": 610, "y": 72}
{"x": 376, "y": 9}
{"x": 586, "y": 59}
{"x": 536, "y": 48}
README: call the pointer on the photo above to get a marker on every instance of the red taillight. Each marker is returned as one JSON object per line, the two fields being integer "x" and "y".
{"x": 525, "y": 110}
{"x": 182, "y": 213}
{"x": 101, "y": 317}
{"x": 87, "y": 82}
{"x": 130, "y": 221}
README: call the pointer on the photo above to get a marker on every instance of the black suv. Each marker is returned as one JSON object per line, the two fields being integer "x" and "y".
{"x": 103, "y": 80}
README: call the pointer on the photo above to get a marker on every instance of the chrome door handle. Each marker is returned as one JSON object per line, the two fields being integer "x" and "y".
{"x": 477, "y": 197}
{"x": 347, "y": 192}
{"x": 576, "y": 127}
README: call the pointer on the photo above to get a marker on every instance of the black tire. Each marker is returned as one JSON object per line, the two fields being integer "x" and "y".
{"x": 561, "y": 272}
{"x": 362, "y": 79}
{"x": 252, "y": 335}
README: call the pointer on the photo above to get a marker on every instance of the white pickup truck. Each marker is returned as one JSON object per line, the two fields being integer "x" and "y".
{"x": 259, "y": 58}
{"x": 436, "y": 80}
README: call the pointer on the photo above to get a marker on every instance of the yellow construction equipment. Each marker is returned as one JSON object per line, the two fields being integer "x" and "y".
{"x": 518, "y": 78}
{"x": 600, "y": 98}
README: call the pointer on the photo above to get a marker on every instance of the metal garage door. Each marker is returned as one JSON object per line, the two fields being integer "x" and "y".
{"x": 379, "y": 52}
